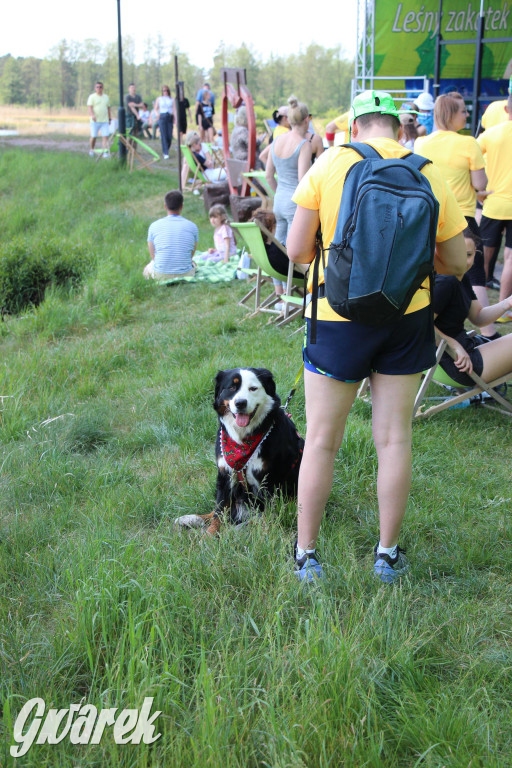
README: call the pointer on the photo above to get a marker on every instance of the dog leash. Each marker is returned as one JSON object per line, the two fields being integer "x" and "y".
{"x": 293, "y": 389}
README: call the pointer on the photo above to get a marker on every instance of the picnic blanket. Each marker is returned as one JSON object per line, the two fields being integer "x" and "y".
{"x": 209, "y": 272}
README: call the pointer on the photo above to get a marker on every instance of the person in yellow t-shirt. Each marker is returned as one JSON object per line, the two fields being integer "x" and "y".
{"x": 98, "y": 105}
{"x": 280, "y": 116}
{"x": 460, "y": 160}
{"x": 346, "y": 352}
{"x": 495, "y": 114}
{"x": 335, "y": 126}
{"x": 496, "y": 145}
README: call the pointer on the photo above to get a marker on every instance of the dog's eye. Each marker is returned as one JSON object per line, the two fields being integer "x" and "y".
{"x": 253, "y": 389}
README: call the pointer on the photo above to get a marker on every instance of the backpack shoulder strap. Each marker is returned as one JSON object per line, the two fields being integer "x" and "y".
{"x": 366, "y": 151}
{"x": 417, "y": 161}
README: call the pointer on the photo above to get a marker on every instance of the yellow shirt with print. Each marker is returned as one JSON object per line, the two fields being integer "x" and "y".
{"x": 320, "y": 190}
{"x": 455, "y": 156}
{"x": 496, "y": 145}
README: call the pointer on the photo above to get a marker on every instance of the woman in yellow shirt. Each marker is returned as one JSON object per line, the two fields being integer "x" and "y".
{"x": 461, "y": 163}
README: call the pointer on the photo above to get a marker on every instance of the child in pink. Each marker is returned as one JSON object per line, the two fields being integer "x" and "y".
{"x": 223, "y": 237}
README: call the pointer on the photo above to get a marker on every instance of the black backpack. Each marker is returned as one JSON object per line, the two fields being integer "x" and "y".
{"x": 384, "y": 242}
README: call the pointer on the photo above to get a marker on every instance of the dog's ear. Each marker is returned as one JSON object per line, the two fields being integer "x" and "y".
{"x": 267, "y": 380}
{"x": 218, "y": 381}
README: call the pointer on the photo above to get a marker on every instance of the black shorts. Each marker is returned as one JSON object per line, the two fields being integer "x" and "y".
{"x": 349, "y": 351}
{"x": 447, "y": 363}
{"x": 491, "y": 230}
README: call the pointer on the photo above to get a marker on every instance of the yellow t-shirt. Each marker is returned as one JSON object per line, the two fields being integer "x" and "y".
{"x": 494, "y": 114}
{"x": 496, "y": 145}
{"x": 320, "y": 190}
{"x": 342, "y": 122}
{"x": 279, "y": 130}
{"x": 455, "y": 156}
{"x": 100, "y": 105}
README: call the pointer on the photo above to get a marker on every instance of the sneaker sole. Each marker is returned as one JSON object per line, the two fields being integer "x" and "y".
{"x": 386, "y": 573}
{"x": 311, "y": 573}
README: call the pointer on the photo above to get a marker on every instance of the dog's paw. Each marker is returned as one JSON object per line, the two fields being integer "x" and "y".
{"x": 190, "y": 521}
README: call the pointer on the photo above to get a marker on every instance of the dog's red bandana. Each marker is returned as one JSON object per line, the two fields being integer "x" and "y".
{"x": 238, "y": 455}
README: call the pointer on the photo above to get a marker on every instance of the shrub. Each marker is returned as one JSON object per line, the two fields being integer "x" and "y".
{"x": 28, "y": 267}
{"x": 24, "y": 278}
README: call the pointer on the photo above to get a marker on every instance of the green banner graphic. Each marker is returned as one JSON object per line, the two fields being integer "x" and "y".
{"x": 405, "y": 39}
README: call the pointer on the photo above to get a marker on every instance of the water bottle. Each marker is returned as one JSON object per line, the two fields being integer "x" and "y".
{"x": 462, "y": 404}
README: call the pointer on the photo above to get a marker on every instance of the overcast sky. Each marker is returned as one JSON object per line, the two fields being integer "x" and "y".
{"x": 33, "y": 27}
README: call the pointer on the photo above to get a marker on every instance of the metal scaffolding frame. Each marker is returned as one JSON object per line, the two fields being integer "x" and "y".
{"x": 364, "y": 77}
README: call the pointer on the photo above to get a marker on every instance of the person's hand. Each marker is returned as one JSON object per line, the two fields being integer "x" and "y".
{"x": 211, "y": 250}
{"x": 463, "y": 360}
{"x": 481, "y": 194}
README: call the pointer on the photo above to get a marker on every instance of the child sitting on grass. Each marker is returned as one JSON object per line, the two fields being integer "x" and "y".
{"x": 223, "y": 237}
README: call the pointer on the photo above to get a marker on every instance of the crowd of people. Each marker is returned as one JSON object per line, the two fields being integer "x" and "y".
{"x": 471, "y": 179}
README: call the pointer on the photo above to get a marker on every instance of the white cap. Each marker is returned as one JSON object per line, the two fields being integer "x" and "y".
{"x": 424, "y": 101}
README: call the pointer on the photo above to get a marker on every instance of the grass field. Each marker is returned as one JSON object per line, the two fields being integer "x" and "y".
{"x": 107, "y": 434}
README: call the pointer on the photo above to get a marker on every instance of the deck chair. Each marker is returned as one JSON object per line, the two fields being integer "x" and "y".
{"x": 481, "y": 392}
{"x": 251, "y": 232}
{"x": 261, "y": 188}
{"x": 199, "y": 179}
{"x": 139, "y": 155}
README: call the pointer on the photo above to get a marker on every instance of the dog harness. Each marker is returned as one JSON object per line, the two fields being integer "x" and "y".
{"x": 238, "y": 455}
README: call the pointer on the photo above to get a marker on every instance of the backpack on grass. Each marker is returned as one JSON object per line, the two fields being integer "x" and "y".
{"x": 383, "y": 245}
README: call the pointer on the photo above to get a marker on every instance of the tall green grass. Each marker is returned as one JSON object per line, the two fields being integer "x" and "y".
{"x": 107, "y": 434}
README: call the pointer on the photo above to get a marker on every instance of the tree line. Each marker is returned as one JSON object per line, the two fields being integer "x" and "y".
{"x": 320, "y": 77}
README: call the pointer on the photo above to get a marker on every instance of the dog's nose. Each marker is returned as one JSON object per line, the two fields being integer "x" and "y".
{"x": 241, "y": 404}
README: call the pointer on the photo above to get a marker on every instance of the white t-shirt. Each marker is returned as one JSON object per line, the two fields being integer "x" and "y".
{"x": 165, "y": 104}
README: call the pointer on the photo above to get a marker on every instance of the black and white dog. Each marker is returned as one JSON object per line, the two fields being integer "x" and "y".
{"x": 258, "y": 449}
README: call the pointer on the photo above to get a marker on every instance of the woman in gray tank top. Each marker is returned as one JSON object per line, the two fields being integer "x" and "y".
{"x": 290, "y": 159}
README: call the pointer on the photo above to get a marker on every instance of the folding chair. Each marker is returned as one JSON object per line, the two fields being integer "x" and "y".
{"x": 481, "y": 392}
{"x": 235, "y": 170}
{"x": 251, "y": 232}
{"x": 139, "y": 154}
{"x": 261, "y": 188}
{"x": 216, "y": 153}
{"x": 199, "y": 179}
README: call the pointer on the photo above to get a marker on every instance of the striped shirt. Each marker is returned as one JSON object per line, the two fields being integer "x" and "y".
{"x": 174, "y": 239}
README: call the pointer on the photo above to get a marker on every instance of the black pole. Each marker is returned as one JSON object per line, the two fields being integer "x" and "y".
{"x": 121, "y": 114}
{"x": 478, "y": 69}
{"x": 179, "y": 96}
{"x": 437, "y": 63}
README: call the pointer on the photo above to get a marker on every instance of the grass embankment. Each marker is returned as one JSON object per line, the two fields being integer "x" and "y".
{"x": 107, "y": 434}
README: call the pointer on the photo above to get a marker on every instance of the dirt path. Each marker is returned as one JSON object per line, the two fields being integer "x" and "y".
{"x": 61, "y": 144}
{"x": 48, "y": 143}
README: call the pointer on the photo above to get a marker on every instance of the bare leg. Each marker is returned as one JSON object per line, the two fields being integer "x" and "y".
{"x": 483, "y": 298}
{"x": 328, "y": 403}
{"x": 184, "y": 175}
{"x": 392, "y": 404}
{"x": 506, "y": 275}
{"x": 497, "y": 357}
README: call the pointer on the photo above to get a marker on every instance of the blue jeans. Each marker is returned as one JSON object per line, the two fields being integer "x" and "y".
{"x": 166, "y": 122}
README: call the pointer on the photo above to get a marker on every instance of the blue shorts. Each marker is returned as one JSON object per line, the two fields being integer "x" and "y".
{"x": 99, "y": 129}
{"x": 349, "y": 351}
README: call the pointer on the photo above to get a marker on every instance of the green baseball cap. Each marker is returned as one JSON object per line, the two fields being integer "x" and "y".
{"x": 373, "y": 101}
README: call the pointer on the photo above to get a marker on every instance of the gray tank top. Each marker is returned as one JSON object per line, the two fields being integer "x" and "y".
{"x": 287, "y": 169}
